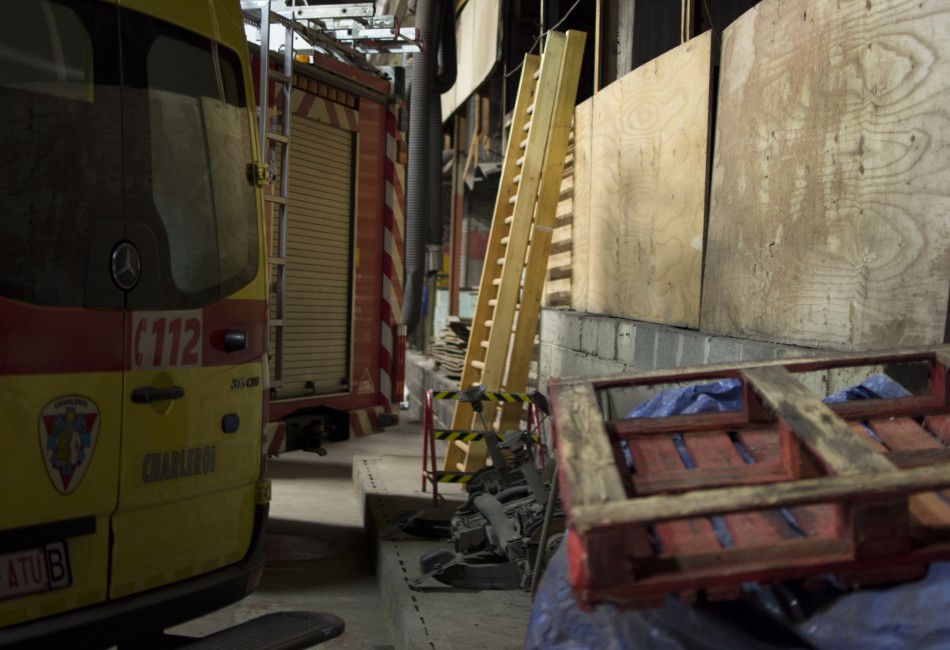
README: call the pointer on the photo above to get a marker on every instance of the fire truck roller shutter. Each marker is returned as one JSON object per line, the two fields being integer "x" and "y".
{"x": 319, "y": 258}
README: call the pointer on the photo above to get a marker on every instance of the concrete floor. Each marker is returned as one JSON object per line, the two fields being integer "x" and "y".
{"x": 323, "y": 555}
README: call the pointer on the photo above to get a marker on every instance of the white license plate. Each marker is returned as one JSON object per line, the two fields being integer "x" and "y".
{"x": 34, "y": 570}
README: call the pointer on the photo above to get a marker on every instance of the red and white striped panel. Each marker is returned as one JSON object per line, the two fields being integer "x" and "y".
{"x": 323, "y": 110}
{"x": 392, "y": 342}
{"x": 364, "y": 422}
{"x": 324, "y": 104}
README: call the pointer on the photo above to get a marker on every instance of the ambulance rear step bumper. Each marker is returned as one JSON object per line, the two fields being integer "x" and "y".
{"x": 275, "y": 631}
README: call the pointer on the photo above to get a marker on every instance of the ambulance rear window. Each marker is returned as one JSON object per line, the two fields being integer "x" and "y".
{"x": 193, "y": 147}
{"x": 114, "y": 124}
{"x": 60, "y": 146}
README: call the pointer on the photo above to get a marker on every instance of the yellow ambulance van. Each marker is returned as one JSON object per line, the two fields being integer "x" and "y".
{"x": 132, "y": 319}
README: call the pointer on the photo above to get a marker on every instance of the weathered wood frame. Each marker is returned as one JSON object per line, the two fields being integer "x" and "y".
{"x": 881, "y": 525}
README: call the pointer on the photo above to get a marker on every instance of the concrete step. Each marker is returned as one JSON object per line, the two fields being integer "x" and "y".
{"x": 434, "y": 616}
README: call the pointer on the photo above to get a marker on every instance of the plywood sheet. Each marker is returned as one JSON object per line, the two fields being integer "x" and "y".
{"x": 604, "y": 251}
{"x": 580, "y": 224}
{"x": 477, "y": 35}
{"x": 647, "y": 189}
{"x": 829, "y": 209}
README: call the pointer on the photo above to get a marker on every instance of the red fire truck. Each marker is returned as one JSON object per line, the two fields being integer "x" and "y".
{"x": 333, "y": 136}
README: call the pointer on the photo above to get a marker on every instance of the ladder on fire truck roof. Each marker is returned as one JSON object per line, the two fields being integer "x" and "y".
{"x": 271, "y": 144}
{"x": 341, "y": 30}
{"x": 327, "y": 28}
{"x": 504, "y": 325}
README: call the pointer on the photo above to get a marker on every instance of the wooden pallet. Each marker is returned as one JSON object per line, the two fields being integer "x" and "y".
{"x": 786, "y": 488}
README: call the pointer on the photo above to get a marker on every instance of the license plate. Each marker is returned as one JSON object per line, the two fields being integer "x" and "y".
{"x": 34, "y": 570}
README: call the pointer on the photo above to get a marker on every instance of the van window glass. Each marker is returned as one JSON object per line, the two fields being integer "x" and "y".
{"x": 60, "y": 146}
{"x": 188, "y": 161}
{"x": 100, "y": 131}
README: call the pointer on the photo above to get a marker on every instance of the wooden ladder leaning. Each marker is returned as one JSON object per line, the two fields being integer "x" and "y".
{"x": 504, "y": 325}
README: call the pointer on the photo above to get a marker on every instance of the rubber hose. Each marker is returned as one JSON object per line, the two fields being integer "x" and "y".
{"x": 417, "y": 182}
{"x": 490, "y": 508}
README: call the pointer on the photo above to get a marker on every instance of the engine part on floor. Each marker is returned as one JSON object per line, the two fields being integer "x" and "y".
{"x": 508, "y": 526}
{"x": 412, "y": 523}
{"x": 489, "y": 535}
{"x": 480, "y": 571}
{"x": 497, "y": 476}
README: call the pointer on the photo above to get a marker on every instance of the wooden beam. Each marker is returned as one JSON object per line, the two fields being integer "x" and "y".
{"x": 814, "y": 423}
{"x": 703, "y": 503}
{"x": 586, "y": 457}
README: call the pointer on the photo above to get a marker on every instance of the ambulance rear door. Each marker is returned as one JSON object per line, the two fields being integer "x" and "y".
{"x": 61, "y": 320}
{"x": 193, "y": 393}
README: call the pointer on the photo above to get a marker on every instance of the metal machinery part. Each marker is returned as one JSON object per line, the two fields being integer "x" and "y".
{"x": 510, "y": 522}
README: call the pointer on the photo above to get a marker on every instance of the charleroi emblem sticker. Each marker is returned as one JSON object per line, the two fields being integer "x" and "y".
{"x": 69, "y": 428}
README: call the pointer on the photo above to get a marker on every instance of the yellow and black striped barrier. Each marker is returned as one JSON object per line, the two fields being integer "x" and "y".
{"x": 468, "y": 436}
{"x": 430, "y": 475}
{"x": 454, "y": 477}
{"x": 464, "y": 435}
{"x": 488, "y": 397}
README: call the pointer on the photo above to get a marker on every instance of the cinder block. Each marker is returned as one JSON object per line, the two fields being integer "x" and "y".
{"x": 757, "y": 351}
{"x": 625, "y": 342}
{"x": 560, "y": 327}
{"x": 544, "y": 360}
{"x": 692, "y": 348}
{"x": 723, "y": 349}
{"x": 596, "y": 367}
{"x": 668, "y": 341}
{"x": 791, "y": 352}
{"x": 590, "y": 334}
{"x": 549, "y": 326}
{"x": 604, "y": 367}
{"x": 607, "y": 338}
{"x": 644, "y": 347}
{"x": 816, "y": 382}
{"x": 842, "y": 378}
{"x": 573, "y": 363}
{"x": 552, "y": 363}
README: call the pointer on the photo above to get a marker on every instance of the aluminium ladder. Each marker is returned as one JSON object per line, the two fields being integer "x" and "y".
{"x": 273, "y": 144}
{"x": 506, "y": 312}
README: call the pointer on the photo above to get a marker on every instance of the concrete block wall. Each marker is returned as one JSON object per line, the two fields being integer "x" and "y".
{"x": 578, "y": 344}
{"x": 421, "y": 376}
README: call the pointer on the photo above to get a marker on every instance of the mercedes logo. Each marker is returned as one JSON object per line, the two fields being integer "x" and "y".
{"x": 126, "y": 266}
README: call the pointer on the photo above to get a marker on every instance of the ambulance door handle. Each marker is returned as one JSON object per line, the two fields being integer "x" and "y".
{"x": 148, "y": 394}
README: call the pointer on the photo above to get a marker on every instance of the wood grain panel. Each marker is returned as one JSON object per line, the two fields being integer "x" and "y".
{"x": 828, "y": 220}
{"x": 580, "y": 232}
{"x": 644, "y": 176}
{"x": 603, "y": 286}
{"x": 662, "y": 185}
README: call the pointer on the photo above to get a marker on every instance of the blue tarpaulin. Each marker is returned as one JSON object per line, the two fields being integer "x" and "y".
{"x": 910, "y": 615}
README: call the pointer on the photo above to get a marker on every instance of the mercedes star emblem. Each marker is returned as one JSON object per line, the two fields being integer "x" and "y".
{"x": 126, "y": 266}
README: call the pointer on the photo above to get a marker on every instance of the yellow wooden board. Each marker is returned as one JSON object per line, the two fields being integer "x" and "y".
{"x": 647, "y": 180}
{"x": 829, "y": 203}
